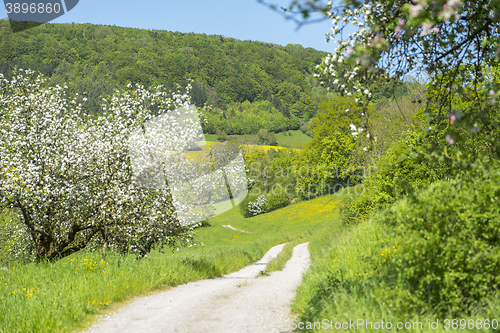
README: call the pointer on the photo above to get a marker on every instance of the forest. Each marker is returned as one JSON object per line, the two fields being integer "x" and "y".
{"x": 94, "y": 60}
{"x": 250, "y": 85}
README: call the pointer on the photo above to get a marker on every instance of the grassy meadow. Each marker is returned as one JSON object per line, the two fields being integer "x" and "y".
{"x": 292, "y": 139}
{"x": 211, "y": 137}
{"x": 67, "y": 295}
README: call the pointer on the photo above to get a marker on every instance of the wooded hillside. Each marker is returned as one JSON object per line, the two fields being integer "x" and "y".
{"x": 95, "y": 59}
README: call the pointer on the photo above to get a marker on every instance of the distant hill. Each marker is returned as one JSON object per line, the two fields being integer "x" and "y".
{"x": 95, "y": 59}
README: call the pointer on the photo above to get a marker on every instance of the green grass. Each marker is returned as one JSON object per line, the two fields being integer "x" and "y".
{"x": 296, "y": 139}
{"x": 211, "y": 137}
{"x": 343, "y": 284}
{"x": 66, "y": 295}
{"x": 278, "y": 262}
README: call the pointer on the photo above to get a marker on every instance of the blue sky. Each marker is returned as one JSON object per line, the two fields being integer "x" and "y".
{"x": 241, "y": 19}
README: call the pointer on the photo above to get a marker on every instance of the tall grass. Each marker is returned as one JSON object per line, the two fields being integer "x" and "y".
{"x": 67, "y": 295}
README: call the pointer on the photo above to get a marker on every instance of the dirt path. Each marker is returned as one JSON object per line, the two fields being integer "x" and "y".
{"x": 237, "y": 302}
{"x": 230, "y": 227}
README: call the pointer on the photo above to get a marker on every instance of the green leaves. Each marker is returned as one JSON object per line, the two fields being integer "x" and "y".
{"x": 97, "y": 59}
{"x": 449, "y": 256}
{"x": 335, "y": 115}
{"x": 452, "y": 41}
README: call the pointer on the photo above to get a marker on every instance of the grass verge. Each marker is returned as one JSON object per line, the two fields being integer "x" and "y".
{"x": 279, "y": 262}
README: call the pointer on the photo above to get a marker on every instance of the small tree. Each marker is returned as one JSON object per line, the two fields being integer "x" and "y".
{"x": 266, "y": 138}
{"x": 69, "y": 177}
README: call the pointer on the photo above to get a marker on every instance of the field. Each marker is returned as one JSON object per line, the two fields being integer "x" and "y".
{"x": 67, "y": 295}
{"x": 296, "y": 139}
{"x": 211, "y": 137}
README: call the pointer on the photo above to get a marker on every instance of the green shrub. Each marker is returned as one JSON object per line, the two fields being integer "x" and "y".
{"x": 265, "y": 137}
{"x": 395, "y": 175}
{"x": 243, "y": 206}
{"x": 222, "y": 136}
{"x": 276, "y": 200}
{"x": 327, "y": 163}
{"x": 449, "y": 255}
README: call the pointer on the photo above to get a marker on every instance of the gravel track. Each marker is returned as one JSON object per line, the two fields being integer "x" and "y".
{"x": 237, "y": 302}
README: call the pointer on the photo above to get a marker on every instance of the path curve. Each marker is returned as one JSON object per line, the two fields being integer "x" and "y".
{"x": 237, "y": 302}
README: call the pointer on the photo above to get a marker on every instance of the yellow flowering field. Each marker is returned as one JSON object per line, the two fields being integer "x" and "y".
{"x": 245, "y": 149}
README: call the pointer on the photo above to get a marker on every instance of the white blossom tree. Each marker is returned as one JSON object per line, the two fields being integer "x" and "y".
{"x": 69, "y": 177}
